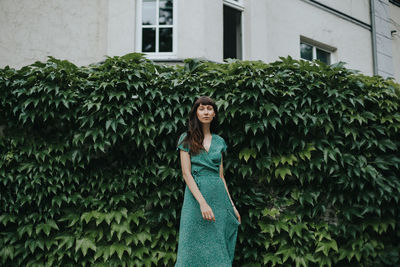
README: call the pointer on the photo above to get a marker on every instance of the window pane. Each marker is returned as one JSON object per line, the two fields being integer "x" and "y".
{"x": 149, "y": 40}
{"x": 323, "y": 56}
{"x": 149, "y": 12}
{"x": 165, "y": 40}
{"x": 165, "y": 12}
{"x": 306, "y": 51}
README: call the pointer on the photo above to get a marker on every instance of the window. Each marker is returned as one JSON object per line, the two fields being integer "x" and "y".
{"x": 157, "y": 30}
{"x": 311, "y": 49}
{"x": 310, "y": 52}
{"x": 233, "y": 29}
{"x": 395, "y": 2}
{"x": 232, "y": 40}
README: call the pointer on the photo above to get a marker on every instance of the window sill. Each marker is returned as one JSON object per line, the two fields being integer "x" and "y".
{"x": 156, "y": 57}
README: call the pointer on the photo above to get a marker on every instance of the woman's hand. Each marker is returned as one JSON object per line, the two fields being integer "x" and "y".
{"x": 237, "y": 214}
{"x": 207, "y": 212}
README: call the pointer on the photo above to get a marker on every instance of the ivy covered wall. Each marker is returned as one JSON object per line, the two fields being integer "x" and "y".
{"x": 89, "y": 174}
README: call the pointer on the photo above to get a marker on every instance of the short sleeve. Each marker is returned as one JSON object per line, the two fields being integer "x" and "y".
{"x": 224, "y": 146}
{"x": 180, "y": 144}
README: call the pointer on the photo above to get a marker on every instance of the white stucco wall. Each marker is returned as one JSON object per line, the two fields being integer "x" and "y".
{"x": 32, "y": 30}
{"x": 358, "y": 9}
{"x": 394, "y": 13}
{"x": 383, "y": 38}
{"x": 200, "y": 29}
{"x": 276, "y": 27}
{"x": 85, "y": 32}
{"x": 121, "y": 28}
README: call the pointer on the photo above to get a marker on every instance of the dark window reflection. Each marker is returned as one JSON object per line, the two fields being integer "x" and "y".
{"x": 306, "y": 51}
{"x": 149, "y": 12}
{"x": 165, "y": 12}
{"x": 323, "y": 56}
{"x": 149, "y": 40}
{"x": 165, "y": 40}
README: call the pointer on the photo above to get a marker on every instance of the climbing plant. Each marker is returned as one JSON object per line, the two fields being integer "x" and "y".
{"x": 90, "y": 175}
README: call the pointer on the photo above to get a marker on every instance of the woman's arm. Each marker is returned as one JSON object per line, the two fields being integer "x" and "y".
{"x": 221, "y": 174}
{"x": 187, "y": 176}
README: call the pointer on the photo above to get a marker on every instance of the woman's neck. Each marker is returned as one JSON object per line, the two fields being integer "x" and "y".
{"x": 206, "y": 129}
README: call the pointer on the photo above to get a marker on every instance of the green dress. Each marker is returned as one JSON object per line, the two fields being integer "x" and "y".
{"x": 202, "y": 242}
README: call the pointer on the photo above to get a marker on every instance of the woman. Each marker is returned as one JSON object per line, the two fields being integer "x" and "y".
{"x": 209, "y": 219}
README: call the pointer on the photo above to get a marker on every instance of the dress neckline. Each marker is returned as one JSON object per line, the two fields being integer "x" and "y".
{"x": 211, "y": 142}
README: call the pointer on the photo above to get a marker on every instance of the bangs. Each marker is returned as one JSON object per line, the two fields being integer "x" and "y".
{"x": 205, "y": 101}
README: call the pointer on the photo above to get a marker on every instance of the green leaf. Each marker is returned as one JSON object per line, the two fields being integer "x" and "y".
{"x": 273, "y": 212}
{"x": 246, "y": 153}
{"x": 5, "y": 218}
{"x": 282, "y": 172}
{"x": 326, "y": 246}
{"x": 120, "y": 249}
{"x": 274, "y": 259}
{"x": 84, "y": 244}
{"x": 120, "y": 229}
{"x": 267, "y": 228}
{"x": 7, "y": 252}
{"x": 46, "y": 227}
{"x": 66, "y": 240}
{"x": 141, "y": 237}
{"x": 25, "y": 229}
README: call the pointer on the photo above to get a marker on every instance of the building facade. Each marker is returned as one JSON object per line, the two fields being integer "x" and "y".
{"x": 363, "y": 33}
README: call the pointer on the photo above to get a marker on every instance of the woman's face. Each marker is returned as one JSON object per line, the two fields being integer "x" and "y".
{"x": 205, "y": 113}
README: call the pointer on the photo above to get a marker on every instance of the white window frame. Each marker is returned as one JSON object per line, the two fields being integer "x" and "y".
{"x": 157, "y": 55}
{"x": 315, "y": 44}
{"x": 314, "y": 51}
{"x": 235, "y": 4}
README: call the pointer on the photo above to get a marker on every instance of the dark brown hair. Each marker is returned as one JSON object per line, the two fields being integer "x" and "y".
{"x": 194, "y": 135}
